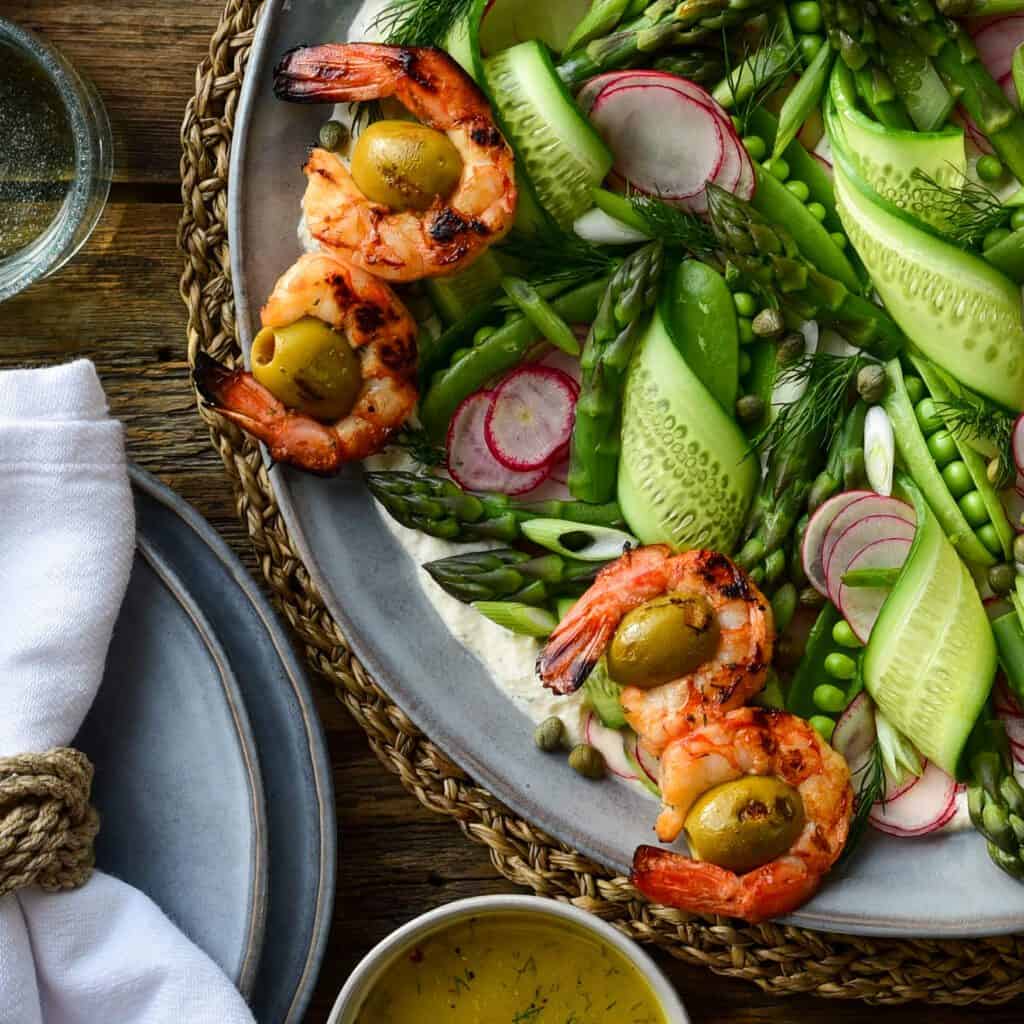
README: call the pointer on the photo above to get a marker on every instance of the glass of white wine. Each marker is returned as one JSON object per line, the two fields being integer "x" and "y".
{"x": 55, "y": 160}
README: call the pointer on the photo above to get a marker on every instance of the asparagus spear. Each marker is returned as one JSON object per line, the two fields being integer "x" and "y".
{"x": 663, "y": 24}
{"x": 994, "y": 797}
{"x": 442, "y": 509}
{"x": 631, "y": 292}
{"x": 505, "y": 574}
{"x": 768, "y": 256}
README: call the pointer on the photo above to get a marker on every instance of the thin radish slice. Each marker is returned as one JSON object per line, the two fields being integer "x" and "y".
{"x": 869, "y": 504}
{"x": 1005, "y": 703}
{"x": 854, "y": 734}
{"x": 649, "y": 764}
{"x": 854, "y": 539}
{"x": 919, "y": 810}
{"x": 1014, "y": 728}
{"x": 609, "y": 742}
{"x": 1018, "y": 753}
{"x": 1009, "y": 87}
{"x": 861, "y": 605}
{"x": 996, "y": 43}
{"x": 1018, "y": 444}
{"x": 812, "y": 551}
{"x": 548, "y": 490}
{"x": 531, "y": 416}
{"x": 665, "y": 143}
{"x": 599, "y": 228}
{"x": 1013, "y": 504}
{"x": 471, "y": 463}
{"x": 556, "y": 359}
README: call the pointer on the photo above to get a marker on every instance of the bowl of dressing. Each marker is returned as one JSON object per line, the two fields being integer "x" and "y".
{"x": 507, "y": 958}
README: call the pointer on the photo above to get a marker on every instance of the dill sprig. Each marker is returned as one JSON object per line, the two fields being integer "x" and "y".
{"x": 869, "y": 792}
{"x": 551, "y": 255}
{"x": 760, "y": 73}
{"x": 417, "y": 442}
{"x": 969, "y": 416}
{"x": 819, "y": 411}
{"x": 419, "y": 22}
{"x": 968, "y": 209}
{"x": 676, "y": 228}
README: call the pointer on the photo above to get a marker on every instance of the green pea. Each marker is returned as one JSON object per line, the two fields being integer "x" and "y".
{"x": 805, "y": 16}
{"x": 736, "y": 122}
{"x": 994, "y": 237}
{"x": 973, "y": 507}
{"x": 958, "y": 478}
{"x": 989, "y": 168}
{"x": 988, "y": 536}
{"x": 943, "y": 447}
{"x": 1002, "y": 578}
{"x": 799, "y": 189}
{"x": 746, "y": 327}
{"x": 843, "y": 634}
{"x": 839, "y": 238}
{"x": 784, "y": 603}
{"x": 928, "y": 418}
{"x": 744, "y": 364}
{"x": 817, "y": 211}
{"x": 778, "y": 168}
{"x": 840, "y": 666}
{"x": 459, "y": 354}
{"x": 914, "y": 387}
{"x": 757, "y": 147}
{"x": 482, "y": 334}
{"x": 746, "y": 304}
{"x": 809, "y": 46}
{"x": 1017, "y": 220}
{"x": 823, "y": 725}
{"x": 829, "y": 698}
{"x": 1018, "y": 548}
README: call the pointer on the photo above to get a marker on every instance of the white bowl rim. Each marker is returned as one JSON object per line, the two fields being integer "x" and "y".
{"x": 351, "y": 995}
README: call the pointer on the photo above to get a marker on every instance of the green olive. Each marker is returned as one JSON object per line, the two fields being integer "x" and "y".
{"x": 662, "y": 640}
{"x": 309, "y": 367}
{"x": 405, "y": 165}
{"x": 742, "y": 824}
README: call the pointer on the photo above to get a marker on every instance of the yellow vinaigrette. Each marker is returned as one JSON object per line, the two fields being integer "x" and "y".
{"x": 512, "y": 968}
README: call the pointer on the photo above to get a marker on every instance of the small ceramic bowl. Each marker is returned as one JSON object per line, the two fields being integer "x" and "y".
{"x": 365, "y": 976}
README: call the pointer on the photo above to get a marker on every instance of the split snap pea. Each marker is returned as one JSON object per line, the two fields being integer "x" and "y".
{"x": 778, "y": 168}
{"x": 799, "y": 189}
{"x": 757, "y": 147}
{"x": 840, "y": 666}
{"x": 843, "y": 634}
{"x": 830, "y": 698}
{"x": 817, "y": 211}
{"x": 943, "y": 447}
{"x": 973, "y": 507}
{"x": 958, "y": 478}
{"x": 914, "y": 388}
{"x": 928, "y": 418}
{"x": 988, "y": 536}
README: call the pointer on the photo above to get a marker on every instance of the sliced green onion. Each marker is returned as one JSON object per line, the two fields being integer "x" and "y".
{"x": 574, "y": 540}
{"x": 524, "y": 619}
{"x": 898, "y": 754}
{"x": 541, "y": 314}
{"x": 879, "y": 450}
{"x": 600, "y": 228}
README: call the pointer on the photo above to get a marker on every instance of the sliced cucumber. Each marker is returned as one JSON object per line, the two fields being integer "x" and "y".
{"x": 699, "y": 312}
{"x": 685, "y": 478}
{"x": 603, "y": 694}
{"x": 959, "y": 311}
{"x": 507, "y": 22}
{"x": 913, "y": 450}
{"x": 457, "y": 296}
{"x": 886, "y": 158}
{"x": 931, "y": 659}
{"x": 563, "y": 155}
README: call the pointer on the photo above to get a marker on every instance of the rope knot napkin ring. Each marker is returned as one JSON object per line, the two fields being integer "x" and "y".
{"x": 47, "y": 825}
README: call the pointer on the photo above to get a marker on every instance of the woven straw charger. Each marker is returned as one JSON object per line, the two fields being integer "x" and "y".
{"x": 781, "y": 960}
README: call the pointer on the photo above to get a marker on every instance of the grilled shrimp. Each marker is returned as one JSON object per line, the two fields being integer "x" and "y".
{"x": 379, "y": 329}
{"x": 404, "y": 245}
{"x": 749, "y": 741}
{"x": 735, "y": 672}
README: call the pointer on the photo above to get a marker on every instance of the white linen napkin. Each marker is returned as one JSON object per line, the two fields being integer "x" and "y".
{"x": 104, "y": 952}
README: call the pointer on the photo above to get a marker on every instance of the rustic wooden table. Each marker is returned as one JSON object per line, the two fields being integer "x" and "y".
{"x": 118, "y": 304}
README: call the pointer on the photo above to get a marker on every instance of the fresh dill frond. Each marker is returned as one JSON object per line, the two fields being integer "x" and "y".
{"x": 420, "y": 22}
{"x": 416, "y": 441}
{"x": 968, "y": 209}
{"x": 819, "y": 411}
{"x": 674, "y": 227}
{"x": 969, "y": 416}
{"x": 870, "y": 790}
{"x": 550, "y": 254}
{"x": 759, "y": 73}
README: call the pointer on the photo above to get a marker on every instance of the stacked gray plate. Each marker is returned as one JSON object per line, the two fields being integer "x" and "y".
{"x": 212, "y": 776}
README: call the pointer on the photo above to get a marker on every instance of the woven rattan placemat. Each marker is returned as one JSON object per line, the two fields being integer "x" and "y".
{"x": 780, "y": 960}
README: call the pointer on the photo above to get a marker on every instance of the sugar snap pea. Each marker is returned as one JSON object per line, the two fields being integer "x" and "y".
{"x": 803, "y": 100}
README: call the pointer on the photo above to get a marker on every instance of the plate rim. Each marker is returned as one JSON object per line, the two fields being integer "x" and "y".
{"x": 316, "y": 744}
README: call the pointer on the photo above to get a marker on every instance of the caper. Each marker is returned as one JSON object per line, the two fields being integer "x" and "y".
{"x": 749, "y": 408}
{"x": 745, "y": 823}
{"x": 1018, "y": 548}
{"x": 588, "y": 761}
{"x": 333, "y": 135}
{"x": 871, "y": 383}
{"x": 405, "y": 165}
{"x": 790, "y": 349}
{"x": 662, "y": 640}
{"x": 972, "y": 504}
{"x": 810, "y": 598}
{"x": 769, "y": 323}
{"x": 999, "y": 474}
{"x": 309, "y": 367}
{"x": 1001, "y": 578}
{"x": 550, "y": 734}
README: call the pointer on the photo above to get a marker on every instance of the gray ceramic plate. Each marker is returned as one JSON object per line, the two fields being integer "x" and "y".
{"x": 942, "y": 886}
{"x": 246, "y": 872}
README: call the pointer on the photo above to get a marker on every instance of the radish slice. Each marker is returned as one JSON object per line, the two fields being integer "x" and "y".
{"x": 649, "y": 764}
{"x": 530, "y": 417}
{"x": 996, "y": 43}
{"x": 814, "y": 536}
{"x": 861, "y": 605}
{"x": 854, "y": 539}
{"x": 854, "y": 734}
{"x": 548, "y": 490}
{"x": 1013, "y": 503}
{"x": 869, "y": 504}
{"x": 556, "y": 359}
{"x": 1005, "y": 703}
{"x": 919, "y": 810}
{"x": 1009, "y": 87}
{"x": 1014, "y": 729}
{"x": 1018, "y": 444}
{"x": 471, "y": 463}
{"x": 609, "y": 742}
{"x": 665, "y": 143}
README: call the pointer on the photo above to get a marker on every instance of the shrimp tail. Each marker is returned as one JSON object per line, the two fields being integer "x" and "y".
{"x": 339, "y": 73}
{"x": 571, "y": 654}
{"x": 291, "y": 437}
